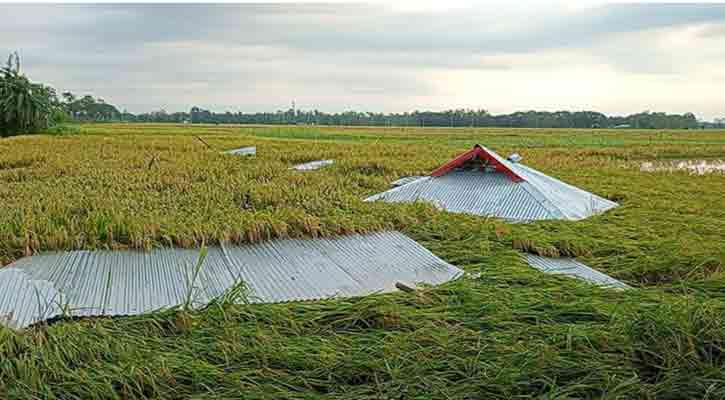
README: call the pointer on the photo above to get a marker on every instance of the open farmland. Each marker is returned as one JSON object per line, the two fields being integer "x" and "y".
{"x": 510, "y": 331}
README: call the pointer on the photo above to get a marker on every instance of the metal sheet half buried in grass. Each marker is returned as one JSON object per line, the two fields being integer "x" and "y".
{"x": 94, "y": 283}
{"x": 313, "y": 165}
{"x": 242, "y": 151}
{"x": 572, "y": 267}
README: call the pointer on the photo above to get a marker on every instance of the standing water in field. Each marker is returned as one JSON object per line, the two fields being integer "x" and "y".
{"x": 699, "y": 167}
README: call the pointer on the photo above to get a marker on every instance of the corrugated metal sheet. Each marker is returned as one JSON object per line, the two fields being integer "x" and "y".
{"x": 85, "y": 283}
{"x": 570, "y": 201}
{"x": 404, "y": 180}
{"x": 312, "y": 165}
{"x": 25, "y": 301}
{"x": 492, "y": 193}
{"x": 572, "y": 267}
{"x": 243, "y": 151}
{"x": 471, "y": 192}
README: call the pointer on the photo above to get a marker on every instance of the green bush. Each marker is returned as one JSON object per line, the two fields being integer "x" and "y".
{"x": 63, "y": 129}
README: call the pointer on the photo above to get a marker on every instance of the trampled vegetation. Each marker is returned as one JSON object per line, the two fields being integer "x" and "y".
{"x": 511, "y": 331}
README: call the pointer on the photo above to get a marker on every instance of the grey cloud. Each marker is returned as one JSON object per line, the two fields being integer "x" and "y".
{"x": 146, "y": 56}
{"x": 351, "y": 28}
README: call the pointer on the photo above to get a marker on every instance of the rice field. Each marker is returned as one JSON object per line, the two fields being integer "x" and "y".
{"x": 509, "y": 332}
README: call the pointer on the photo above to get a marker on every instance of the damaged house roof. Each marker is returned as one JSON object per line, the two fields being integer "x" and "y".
{"x": 481, "y": 182}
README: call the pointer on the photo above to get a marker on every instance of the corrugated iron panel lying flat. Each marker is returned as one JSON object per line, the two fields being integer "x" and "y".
{"x": 85, "y": 283}
{"x": 243, "y": 151}
{"x": 572, "y": 267}
{"x": 312, "y": 165}
{"x": 404, "y": 180}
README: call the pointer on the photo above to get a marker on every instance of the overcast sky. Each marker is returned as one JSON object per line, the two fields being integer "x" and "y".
{"x": 618, "y": 59}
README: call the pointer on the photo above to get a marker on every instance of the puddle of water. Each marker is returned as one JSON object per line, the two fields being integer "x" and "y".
{"x": 699, "y": 167}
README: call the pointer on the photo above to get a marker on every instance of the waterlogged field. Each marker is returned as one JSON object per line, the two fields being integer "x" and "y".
{"x": 509, "y": 332}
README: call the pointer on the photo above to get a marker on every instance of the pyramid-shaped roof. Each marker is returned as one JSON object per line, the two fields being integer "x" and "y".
{"x": 481, "y": 182}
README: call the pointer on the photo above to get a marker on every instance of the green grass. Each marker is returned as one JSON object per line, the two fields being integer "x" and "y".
{"x": 511, "y": 332}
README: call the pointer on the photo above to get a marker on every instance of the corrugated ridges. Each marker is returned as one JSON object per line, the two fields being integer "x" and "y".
{"x": 24, "y": 301}
{"x": 521, "y": 206}
{"x": 87, "y": 283}
{"x": 572, "y": 267}
{"x": 562, "y": 198}
{"x": 472, "y": 192}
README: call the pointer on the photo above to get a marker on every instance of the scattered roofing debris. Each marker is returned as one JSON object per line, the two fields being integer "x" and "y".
{"x": 405, "y": 180}
{"x": 85, "y": 283}
{"x": 242, "y": 151}
{"x": 696, "y": 167}
{"x": 481, "y": 182}
{"x": 571, "y": 267}
{"x": 515, "y": 157}
{"x": 312, "y": 165}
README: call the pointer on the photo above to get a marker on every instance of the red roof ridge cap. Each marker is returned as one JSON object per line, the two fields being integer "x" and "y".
{"x": 482, "y": 152}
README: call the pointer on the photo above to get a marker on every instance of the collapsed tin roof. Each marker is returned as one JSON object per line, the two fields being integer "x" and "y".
{"x": 481, "y": 182}
{"x": 92, "y": 283}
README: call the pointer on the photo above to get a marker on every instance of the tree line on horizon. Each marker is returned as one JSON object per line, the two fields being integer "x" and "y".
{"x": 88, "y": 109}
{"x": 448, "y": 118}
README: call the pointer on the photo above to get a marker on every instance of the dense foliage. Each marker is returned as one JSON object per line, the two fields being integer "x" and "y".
{"x": 24, "y": 106}
{"x": 450, "y": 118}
{"x": 27, "y": 107}
{"x": 88, "y": 108}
